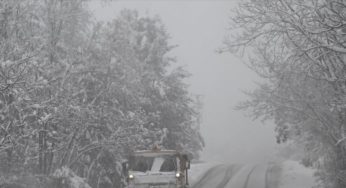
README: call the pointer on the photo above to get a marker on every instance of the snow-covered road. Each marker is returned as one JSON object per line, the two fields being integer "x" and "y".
{"x": 217, "y": 177}
{"x": 285, "y": 175}
{"x": 234, "y": 176}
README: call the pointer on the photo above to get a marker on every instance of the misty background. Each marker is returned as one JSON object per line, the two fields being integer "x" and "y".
{"x": 199, "y": 28}
{"x": 85, "y": 83}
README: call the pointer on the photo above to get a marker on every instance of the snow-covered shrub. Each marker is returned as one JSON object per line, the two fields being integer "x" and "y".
{"x": 66, "y": 178}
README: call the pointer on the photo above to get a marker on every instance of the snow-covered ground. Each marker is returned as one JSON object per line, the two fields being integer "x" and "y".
{"x": 291, "y": 175}
{"x": 72, "y": 180}
{"x": 295, "y": 175}
{"x": 197, "y": 170}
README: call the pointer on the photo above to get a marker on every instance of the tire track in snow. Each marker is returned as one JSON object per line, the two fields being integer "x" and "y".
{"x": 267, "y": 177}
{"x": 245, "y": 178}
{"x": 257, "y": 177}
{"x": 228, "y": 175}
{"x": 236, "y": 176}
{"x": 273, "y": 175}
{"x": 248, "y": 177}
{"x": 217, "y": 177}
{"x": 206, "y": 177}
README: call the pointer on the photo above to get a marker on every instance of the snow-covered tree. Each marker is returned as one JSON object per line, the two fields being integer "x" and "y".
{"x": 18, "y": 51}
{"x": 136, "y": 50}
{"x": 298, "y": 48}
{"x": 80, "y": 95}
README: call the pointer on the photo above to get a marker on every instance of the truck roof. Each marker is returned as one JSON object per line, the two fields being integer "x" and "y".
{"x": 153, "y": 153}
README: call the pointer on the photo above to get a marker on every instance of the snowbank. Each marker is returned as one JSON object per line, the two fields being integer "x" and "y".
{"x": 69, "y": 178}
{"x": 295, "y": 175}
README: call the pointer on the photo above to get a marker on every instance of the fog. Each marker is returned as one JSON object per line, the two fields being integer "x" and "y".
{"x": 198, "y": 28}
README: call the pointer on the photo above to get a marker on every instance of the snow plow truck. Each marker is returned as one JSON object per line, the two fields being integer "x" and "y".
{"x": 157, "y": 169}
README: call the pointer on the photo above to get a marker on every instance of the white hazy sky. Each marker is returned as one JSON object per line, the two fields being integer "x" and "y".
{"x": 198, "y": 27}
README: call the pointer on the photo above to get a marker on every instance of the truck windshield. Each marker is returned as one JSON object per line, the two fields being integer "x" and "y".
{"x": 156, "y": 164}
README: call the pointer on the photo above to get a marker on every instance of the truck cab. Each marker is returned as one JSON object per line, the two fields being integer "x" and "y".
{"x": 157, "y": 169}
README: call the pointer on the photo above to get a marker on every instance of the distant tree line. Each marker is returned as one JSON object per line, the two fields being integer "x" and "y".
{"x": 299, "y": 49}
{"x": 82, "y": 94}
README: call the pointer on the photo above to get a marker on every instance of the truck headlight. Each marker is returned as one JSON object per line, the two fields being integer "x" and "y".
{"x": 131, "y": 176}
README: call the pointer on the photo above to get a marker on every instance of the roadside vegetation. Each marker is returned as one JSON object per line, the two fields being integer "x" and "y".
{"x": 79, "y": 95}
{"x": 298, "y": 48}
